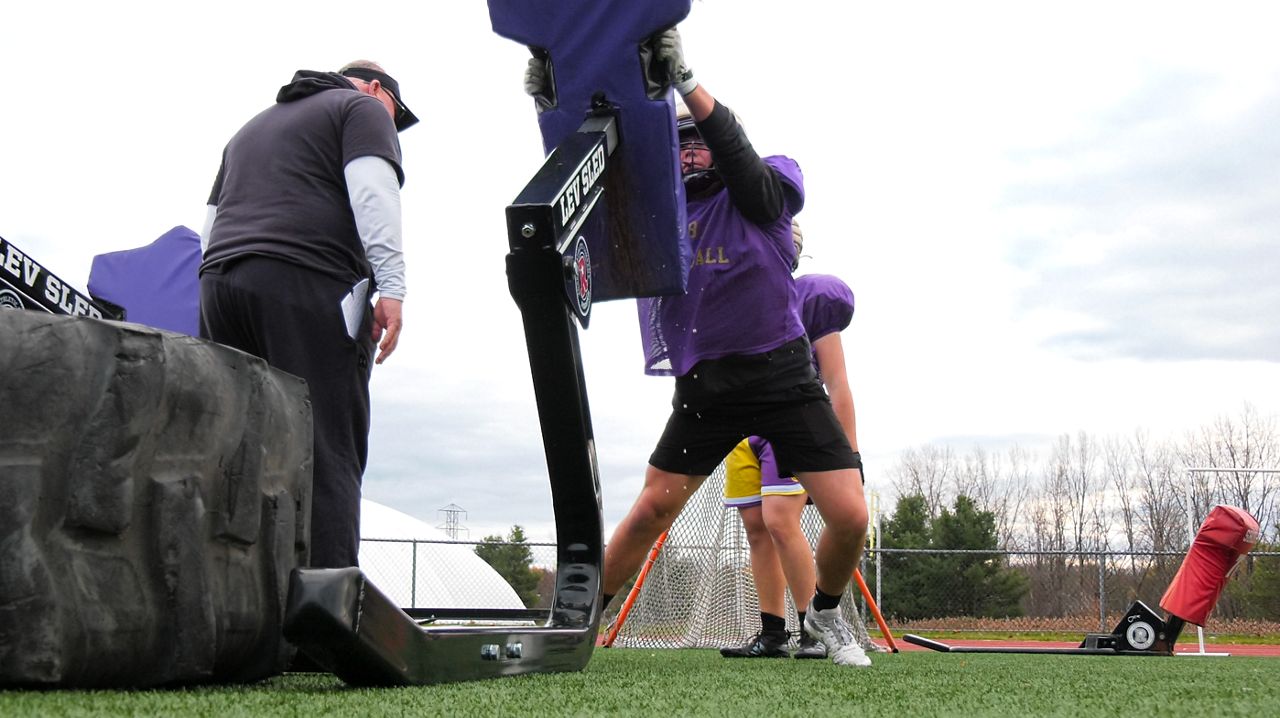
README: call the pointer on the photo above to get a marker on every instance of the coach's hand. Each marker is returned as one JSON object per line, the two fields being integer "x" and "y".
{"x": 386, "y": 326}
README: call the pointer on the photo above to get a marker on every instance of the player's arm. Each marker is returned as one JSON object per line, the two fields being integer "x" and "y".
{"x": 755, "y": 188}
{"x": 831, "y": 365}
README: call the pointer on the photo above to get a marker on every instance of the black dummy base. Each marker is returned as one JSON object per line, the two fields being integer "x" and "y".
{"x": 1140, "y": 633}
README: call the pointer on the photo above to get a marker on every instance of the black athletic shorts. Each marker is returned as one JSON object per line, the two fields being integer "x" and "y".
{"x": 798, "y": 422}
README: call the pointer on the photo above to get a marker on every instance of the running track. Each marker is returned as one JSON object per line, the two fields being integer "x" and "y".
{"x": 1183, "y": 646}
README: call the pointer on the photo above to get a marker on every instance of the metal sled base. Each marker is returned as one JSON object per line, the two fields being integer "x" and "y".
{"x": 349, "y": 627}
{"x": 1141, "y": 632}
{"x": 944, "y": 648}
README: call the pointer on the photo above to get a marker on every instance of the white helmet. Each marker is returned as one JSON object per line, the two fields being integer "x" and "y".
{"x": 687, "y": 134}
{"x": 687, "y": 131}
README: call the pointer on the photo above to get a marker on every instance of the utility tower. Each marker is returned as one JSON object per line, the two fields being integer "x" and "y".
{"x": 454, "y": 515}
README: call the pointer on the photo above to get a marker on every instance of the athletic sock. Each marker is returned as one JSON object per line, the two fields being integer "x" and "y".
{"x": 605, "y": 598}
{"x": 771, "y": 623}
{"x": 823, "y": 601}
{"x": 800, "y": 615}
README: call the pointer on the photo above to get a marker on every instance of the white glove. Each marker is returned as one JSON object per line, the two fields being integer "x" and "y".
{"x": 538, "y": 83}
{"x": 668, "y": 50}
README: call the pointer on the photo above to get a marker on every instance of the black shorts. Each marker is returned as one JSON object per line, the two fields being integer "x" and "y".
{"x": 799, "y": 424}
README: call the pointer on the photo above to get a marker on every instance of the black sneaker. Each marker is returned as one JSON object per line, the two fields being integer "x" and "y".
{"x": 810, "y": 647}
{"x": 765, "y": 644}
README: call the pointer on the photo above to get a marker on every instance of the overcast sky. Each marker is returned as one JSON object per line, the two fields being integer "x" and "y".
{"x": 1055, "y": 216}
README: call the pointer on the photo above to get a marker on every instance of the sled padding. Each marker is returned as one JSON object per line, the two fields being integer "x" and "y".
{"x": 596, "y": 53}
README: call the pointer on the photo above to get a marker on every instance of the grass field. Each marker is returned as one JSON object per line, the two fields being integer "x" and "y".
{"x": 638, "y": 682}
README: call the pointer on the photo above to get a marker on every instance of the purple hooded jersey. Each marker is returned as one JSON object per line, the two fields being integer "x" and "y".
{"x": 741, "y": 297}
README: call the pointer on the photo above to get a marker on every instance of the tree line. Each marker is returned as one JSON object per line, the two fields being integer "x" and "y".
{"x": 1084, "y": 496}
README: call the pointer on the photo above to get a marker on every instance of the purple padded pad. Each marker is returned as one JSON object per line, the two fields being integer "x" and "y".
{"x": 595, "y": 48}
{"x": 158, "y": 285}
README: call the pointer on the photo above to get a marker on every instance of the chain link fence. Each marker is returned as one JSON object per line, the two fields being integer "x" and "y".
{"x": 449, "y": 574}
{"x": 1087, "y": 590}
{"x": 1066, "y": 590}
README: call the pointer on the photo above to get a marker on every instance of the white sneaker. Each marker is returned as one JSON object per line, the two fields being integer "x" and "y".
{"x": 830, "y": 628}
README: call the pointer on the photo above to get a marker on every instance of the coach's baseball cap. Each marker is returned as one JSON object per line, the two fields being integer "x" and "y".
{"x": 404, "y": 116}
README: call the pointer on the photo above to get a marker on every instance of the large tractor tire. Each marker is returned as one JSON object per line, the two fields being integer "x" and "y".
{"x": 154, "y": 498}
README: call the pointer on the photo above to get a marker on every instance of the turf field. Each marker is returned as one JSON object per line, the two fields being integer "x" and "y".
{"x": 700, "y": 683}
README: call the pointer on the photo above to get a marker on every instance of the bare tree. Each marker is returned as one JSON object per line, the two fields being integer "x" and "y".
{"x": 974, "y": 478}
{"x": 1074, "y": 467}
{"x": 1085, "y": 495}
{"x": 1119, "y": 467}
{"x": 1050, "y": 514}
{"x": 1247, "y": 441}
{"x": 925, "y": 471}
{"x": 1158, "y": 511}
{"x": 996, "y": 484}
{"x": 1018, "y": 486}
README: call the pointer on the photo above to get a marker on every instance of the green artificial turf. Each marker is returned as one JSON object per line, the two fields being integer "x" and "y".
{"x": 700, "y": 683}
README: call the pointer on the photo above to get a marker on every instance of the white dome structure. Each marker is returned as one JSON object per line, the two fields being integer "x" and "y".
{"x": 395, "y": 556}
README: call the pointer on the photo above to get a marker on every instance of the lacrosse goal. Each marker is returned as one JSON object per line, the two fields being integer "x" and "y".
{"x": 698, "y": 591}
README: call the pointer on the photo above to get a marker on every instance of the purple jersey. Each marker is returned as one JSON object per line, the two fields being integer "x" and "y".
{"x": 741, "y": 297}
{"x": 826, "y": 306}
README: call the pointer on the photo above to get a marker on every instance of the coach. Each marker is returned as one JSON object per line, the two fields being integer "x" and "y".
{"x": 303, "y": 229}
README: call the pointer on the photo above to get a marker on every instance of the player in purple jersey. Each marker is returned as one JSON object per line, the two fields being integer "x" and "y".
{"x": 737, "y": 349}
{"x": 770, "y": 501}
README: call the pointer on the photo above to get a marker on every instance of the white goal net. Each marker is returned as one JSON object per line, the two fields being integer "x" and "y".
{"x": 699, "y": 592}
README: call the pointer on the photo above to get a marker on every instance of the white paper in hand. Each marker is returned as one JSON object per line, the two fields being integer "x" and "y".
{"x": 353, "y": 306}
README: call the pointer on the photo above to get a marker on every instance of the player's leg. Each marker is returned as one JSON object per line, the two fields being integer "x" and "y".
{"x": 660, "y": 501}
{"x": 809, "y": 439}
{"x": 742, "y": 491}
{"x": 781, "y": 513}
{"x": 690, "y": 448}
{"x": 838, "y": 497}
{"x": 781, "y": 516}
{"x": 770, "y": 583}
{"x": 766, "y": 569}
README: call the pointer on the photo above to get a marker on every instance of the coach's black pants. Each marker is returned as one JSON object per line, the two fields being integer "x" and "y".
{"x": 292, "y": 318}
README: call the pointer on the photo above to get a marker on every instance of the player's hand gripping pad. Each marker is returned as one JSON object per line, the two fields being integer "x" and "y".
{"x": 595, "y": 48}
